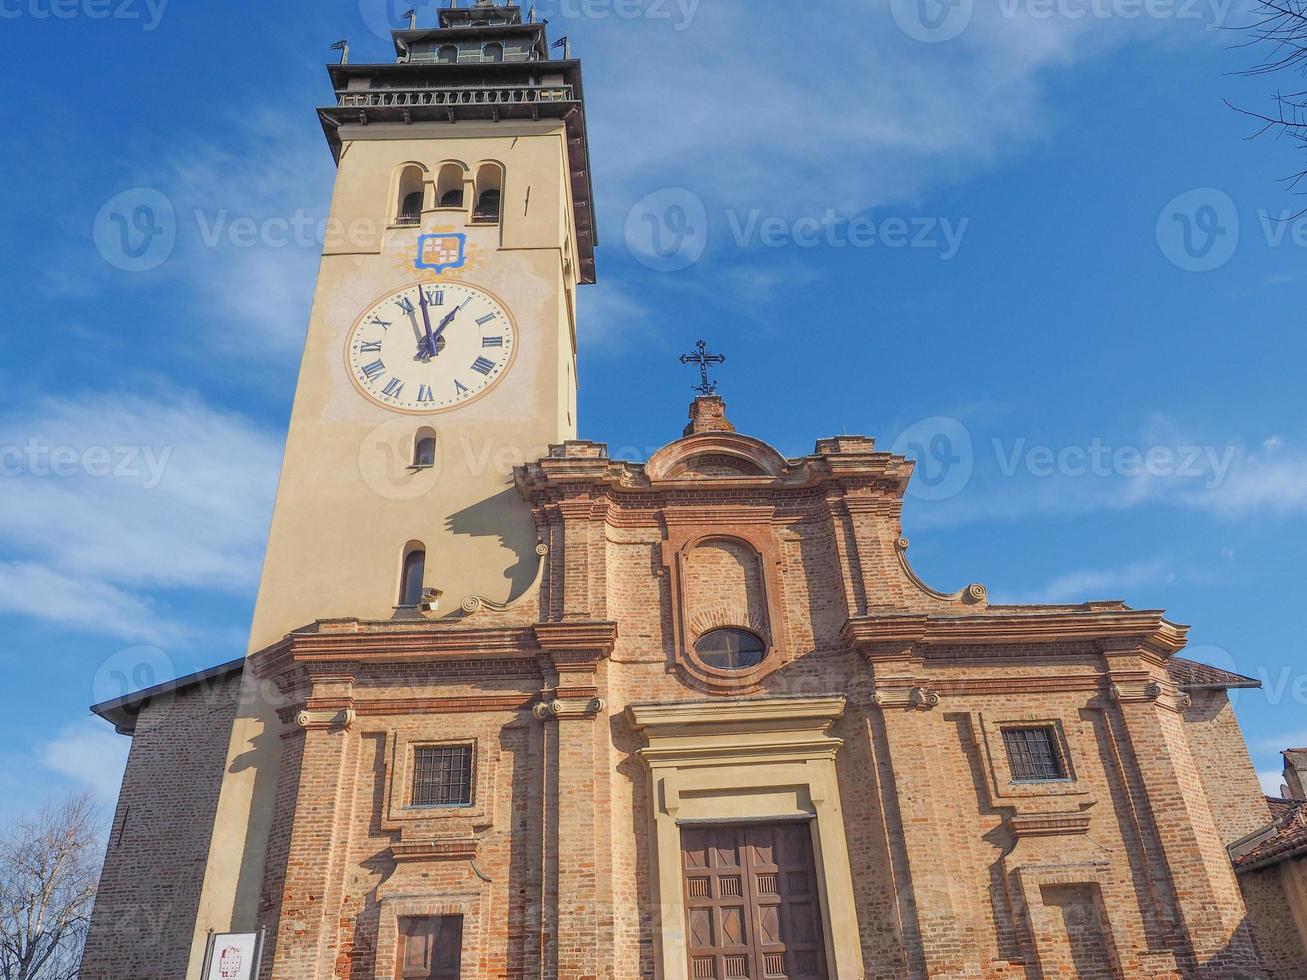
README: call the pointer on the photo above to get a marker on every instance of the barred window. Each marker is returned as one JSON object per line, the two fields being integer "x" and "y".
{"x": 442, "y": 775}
{"x": 1033, "y": 754}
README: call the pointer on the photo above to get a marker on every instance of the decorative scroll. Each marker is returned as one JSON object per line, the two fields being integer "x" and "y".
{"x": 475, "y": 603}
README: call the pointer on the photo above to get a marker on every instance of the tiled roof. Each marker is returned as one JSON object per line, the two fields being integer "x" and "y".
{"x": 1288, "y": 840}
{"x": 1280, "y": 806}
{"x": 1191, "y": 674}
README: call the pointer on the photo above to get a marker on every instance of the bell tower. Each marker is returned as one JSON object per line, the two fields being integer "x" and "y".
{"x": 441, "y": 345}
{"x": 440, "y": 353}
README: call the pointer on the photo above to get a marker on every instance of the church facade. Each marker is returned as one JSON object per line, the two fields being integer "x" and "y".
{"x": 514, "y": 708}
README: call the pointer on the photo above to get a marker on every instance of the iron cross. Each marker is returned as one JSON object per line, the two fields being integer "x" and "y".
{"x": 702, "y": 358}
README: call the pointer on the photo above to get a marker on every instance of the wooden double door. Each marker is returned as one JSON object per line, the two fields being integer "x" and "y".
{"x": 752, "y": 907}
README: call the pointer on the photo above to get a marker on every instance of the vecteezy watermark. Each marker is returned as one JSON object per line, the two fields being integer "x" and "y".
{"x": 130, "y": 670}
{"x": 679, "y": 13}
{"x": 148, "y": 12}
{"x": 1210, "y": 464}
{"x": 1198, "y": 231}
{"x": 940, "y": 234}
{"x": 668, "y": 230}
{"x": 299, "y": 230}
{"x": 144, "y": 464}
{"x": 136, "y": 230}
{"x": 946, "y": 459}
{"x": 932, "y": 21}
{"x": 944, "y": 454}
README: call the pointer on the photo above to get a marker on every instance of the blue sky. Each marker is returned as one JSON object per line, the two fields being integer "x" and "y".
{"x": 1024, "y": 240}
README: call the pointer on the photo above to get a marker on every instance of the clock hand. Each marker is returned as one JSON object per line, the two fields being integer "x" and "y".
{"x": 443, "y": 324}
{"x": 427, "y": 344}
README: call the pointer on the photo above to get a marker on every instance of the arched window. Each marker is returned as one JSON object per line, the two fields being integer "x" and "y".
{"x": 449, "y": 186}
{"x": 494, "y": 51}
{"x": 730, "y": 649}
{"x": 408, "y": 210}
{"x": 410, "y": 582}
{"x": 424, "y": 449}
{"x": 447, "y": 53}
{"x": 488, "y": 187}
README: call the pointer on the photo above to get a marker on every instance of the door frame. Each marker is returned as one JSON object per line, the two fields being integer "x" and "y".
{"x": 746, "y": 761}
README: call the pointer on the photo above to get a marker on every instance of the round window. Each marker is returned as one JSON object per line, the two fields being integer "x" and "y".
{"x": 730, "y": 649}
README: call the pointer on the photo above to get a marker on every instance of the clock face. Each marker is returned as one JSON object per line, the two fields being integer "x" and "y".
{"x": 431, "y": 347}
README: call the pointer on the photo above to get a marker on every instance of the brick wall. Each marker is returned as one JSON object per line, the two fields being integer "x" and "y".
{"x": 1279, "y": 935}
{"x": 1224, "y": 766}
{"x": 144, "y": 916}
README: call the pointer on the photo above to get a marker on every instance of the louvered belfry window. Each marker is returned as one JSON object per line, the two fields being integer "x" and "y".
{"x": 1033, "y": 754}
{"x": 442, "y": 775}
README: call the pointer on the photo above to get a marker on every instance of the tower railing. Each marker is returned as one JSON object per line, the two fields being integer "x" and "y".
{"x": 455, "y": 95}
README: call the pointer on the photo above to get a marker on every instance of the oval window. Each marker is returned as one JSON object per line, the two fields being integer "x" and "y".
{"x": 730, "y": 649}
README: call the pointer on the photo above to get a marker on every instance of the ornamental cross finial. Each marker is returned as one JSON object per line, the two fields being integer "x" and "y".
{"x": 703, "y": 358}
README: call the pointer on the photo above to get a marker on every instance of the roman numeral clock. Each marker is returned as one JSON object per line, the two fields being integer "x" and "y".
{"x": 431, "y": 347}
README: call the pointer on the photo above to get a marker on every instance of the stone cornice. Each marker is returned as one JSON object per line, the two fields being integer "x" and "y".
{"x": 584, "y": 467}
{"x": 1142, "y": 629}
{"x": 583, "y": 641}
{"x": 756, "y": 713}
{"x": 388, "y": 642}
{"x": 428, "y": 849}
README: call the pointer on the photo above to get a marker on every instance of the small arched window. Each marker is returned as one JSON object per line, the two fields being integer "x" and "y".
{"x": 494, "y": 51}
{"x": 410, "y": 583}
{"x": 488, "y": 188}
{"x": 424, "y": 449}
{"x": 730, "y": 649}
{"x": 447, "y": 53}
{"x": 449, "y": 186}
{"x": 408, "y": 210}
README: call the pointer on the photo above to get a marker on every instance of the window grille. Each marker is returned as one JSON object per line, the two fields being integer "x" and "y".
{"x": 1033, "y": 754}
{"x": 442, "y": 775}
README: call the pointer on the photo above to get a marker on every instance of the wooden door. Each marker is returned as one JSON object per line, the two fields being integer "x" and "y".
{"x": 752, "y": 911}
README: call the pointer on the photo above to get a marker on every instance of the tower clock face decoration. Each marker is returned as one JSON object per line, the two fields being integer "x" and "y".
{"x": 431, "y": 347}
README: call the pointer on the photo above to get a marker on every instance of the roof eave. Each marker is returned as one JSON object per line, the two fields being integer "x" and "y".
{"x": 122, "y": 712}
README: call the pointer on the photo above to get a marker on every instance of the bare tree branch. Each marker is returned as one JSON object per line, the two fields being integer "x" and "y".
{"x": 48, "y": 871}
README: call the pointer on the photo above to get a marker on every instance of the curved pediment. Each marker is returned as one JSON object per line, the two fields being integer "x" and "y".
{"x": 716, "y": 456}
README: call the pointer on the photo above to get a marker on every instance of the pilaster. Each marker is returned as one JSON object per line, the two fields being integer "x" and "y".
{"x": 936, "y": 886}
{"x": 1209, "y": 908}
{"x": 578, "y": 926}
{"x": 318, "y": 816}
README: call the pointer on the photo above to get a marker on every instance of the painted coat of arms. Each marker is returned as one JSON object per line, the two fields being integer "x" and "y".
{"x": 441, "y": 251}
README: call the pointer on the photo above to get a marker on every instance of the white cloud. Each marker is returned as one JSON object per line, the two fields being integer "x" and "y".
{"x": 109, "y": 496}
{"x": 83, "y": 604}
{"x": 802, "y": 108}
{"x": 249, "y": 206}
{"x": 91, "y": 755}
{"x": 1016, "y": 476}
{"x": 1272, "y": 479}
{"x": 1110, "y": 583}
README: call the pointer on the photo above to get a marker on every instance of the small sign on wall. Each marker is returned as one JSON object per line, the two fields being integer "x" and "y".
{"x": 234, "y": 956}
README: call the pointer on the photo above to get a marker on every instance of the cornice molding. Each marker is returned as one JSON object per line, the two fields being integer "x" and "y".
{"x": 587, "y": 641}
{"x": 1140, "y": 629}
{"x": 753, "y": 712}
{"x": 578, "y": 467}
{"x": 389, "y": 642}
